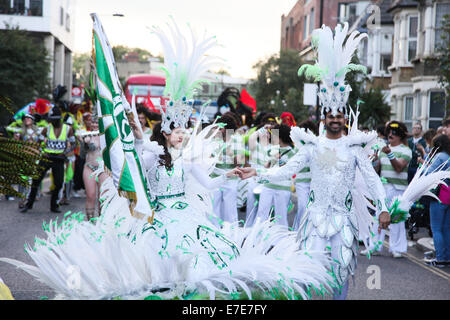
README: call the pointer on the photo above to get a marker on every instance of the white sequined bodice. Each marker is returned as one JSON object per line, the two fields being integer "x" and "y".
{"x": 333, "y": 168}
{"x": 165, "y": 182}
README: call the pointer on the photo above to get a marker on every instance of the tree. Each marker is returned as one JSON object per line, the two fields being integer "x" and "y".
{"x": 24, "y": 70}
{"x": 120, "y": 51}
{"x": 81, "y": 66}
{"x": 277, "y": 87}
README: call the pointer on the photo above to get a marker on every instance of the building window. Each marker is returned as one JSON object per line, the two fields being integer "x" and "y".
{"x": 305, "y": 27}
{"x": 442, "y": 9}
{"x": 311, "y": 21}
{"x": 21, "y": 7}
{"x": 67, "y": 22}
{"x": 418, "y": 104}
{"x": 61, "y": 16}
{"x": 409, "y": 105}
{"x": 36, "y": 8}
{"x": 348, "y": 12}
{"x": 437, "y": 108}
{"x": 412, "y": 36}
{"x": 385, "y": 62}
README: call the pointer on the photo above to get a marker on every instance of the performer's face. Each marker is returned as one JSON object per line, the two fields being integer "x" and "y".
{"x": 28, "y": 122}
{"x": 175, "y": 139}
{"x": 335, "y": 124}
{"x": 142, "y": 119}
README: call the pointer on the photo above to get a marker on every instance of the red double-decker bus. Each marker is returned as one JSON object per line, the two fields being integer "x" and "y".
{"x": 148, "y": 90}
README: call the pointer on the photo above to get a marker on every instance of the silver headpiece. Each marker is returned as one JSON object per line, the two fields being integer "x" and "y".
{"x": 185, "y": 63}
{"x": 332, "y": 64}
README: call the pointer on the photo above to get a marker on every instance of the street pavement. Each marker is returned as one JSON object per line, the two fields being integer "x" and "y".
{"x": 378, "y": 278}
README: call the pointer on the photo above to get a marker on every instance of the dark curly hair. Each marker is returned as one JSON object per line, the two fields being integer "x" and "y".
{"x": 229, "y": 120}
{"x": 267, "y": 118}
{"x": 397, "y": 128}
{"x": 308, "y": 124}
{"x": 284, "y": 132}
{"x": 441, "y": 143}
{"x": 157, "y": 135}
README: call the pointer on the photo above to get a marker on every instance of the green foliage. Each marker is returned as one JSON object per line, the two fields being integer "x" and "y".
{"x": 374, "y": 110}
{"x": 279, "y": 73}
{"x": 120, "y": 51}
{"x": 81, "y": 66}
{"x": 24, "y": 69}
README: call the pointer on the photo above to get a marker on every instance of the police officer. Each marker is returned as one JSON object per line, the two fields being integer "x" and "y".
{"x": 58, "y": 139}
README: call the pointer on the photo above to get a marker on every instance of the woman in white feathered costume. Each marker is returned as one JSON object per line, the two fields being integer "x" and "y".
{"x": 180, "y": 254}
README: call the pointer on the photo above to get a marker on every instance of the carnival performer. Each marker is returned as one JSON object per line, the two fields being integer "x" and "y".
{"x": 277, "y": 194}
{"x": 93, "y": 162}
{"x": 258, "y": 150}
{"x": 147, "y": 120}
{"x": 329, "y": 223}
{"x": 179, "y": 254}
{"x": 225, "y": 197}
{"x": 57, "y": 138}
{"x": 65, "y": 192}
{"x": 393, "y": 167}
{"x": 29, "y": 132}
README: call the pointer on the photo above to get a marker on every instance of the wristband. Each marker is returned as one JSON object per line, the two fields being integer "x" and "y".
{"x": 391, "y": 156}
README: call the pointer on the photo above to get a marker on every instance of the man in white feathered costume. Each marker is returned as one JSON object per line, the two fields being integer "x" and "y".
{"x": 330, "y": 222}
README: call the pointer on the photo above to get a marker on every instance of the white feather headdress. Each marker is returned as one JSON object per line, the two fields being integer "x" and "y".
{"x": 332, "y": 64}
{"x": 185, "y": 63}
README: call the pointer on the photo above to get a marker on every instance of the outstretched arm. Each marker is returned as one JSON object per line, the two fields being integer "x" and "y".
{"x": 294, "y": 165}
{"x": 374, "y": 185}
{"x": 209, "y": 183}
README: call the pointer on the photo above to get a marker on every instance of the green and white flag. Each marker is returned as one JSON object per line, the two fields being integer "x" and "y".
{"x": 116, "y": 136}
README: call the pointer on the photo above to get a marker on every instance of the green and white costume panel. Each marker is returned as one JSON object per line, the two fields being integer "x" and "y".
{"x": 302, "y": 187}
{"x": 330, "y": 222}
{"x": 226, "y": 196}
{"x": 258, "y": 157}
{"x": 276, "y": 194}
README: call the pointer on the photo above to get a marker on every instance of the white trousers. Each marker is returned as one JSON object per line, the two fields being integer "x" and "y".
{"x": 334, "y": 244}
{"x": 397, "y": 231}
{"x": 277, "y": 198}
{"x": 302, "y": 191}
{"x": 252, "y": 206}
{"x": 225, "y": 201}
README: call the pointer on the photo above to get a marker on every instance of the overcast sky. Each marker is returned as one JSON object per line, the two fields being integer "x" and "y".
{"x": 249, "y": 30}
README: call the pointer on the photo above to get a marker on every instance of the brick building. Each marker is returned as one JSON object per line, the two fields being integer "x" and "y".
{"x": 307, "y": 15}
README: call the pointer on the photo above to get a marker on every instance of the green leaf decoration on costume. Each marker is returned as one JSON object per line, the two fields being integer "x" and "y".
{"x": 312, "y": 72}
{"x": 351, "y": 67}
{"x": 397, "y": 215}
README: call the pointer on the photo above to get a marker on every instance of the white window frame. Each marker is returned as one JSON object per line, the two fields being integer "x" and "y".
{"x": 305, "y": 27}
{"x": 311, "y": 18}
{"x": 418, "y": 103}
{"x": 411, "y": 39}
{"x": 435, "y": 22}
{"x": 429, "y": 106}
{"x": 408, "y": 122}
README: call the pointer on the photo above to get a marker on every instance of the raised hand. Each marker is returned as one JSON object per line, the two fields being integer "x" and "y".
{"x": 137, "y": 133}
